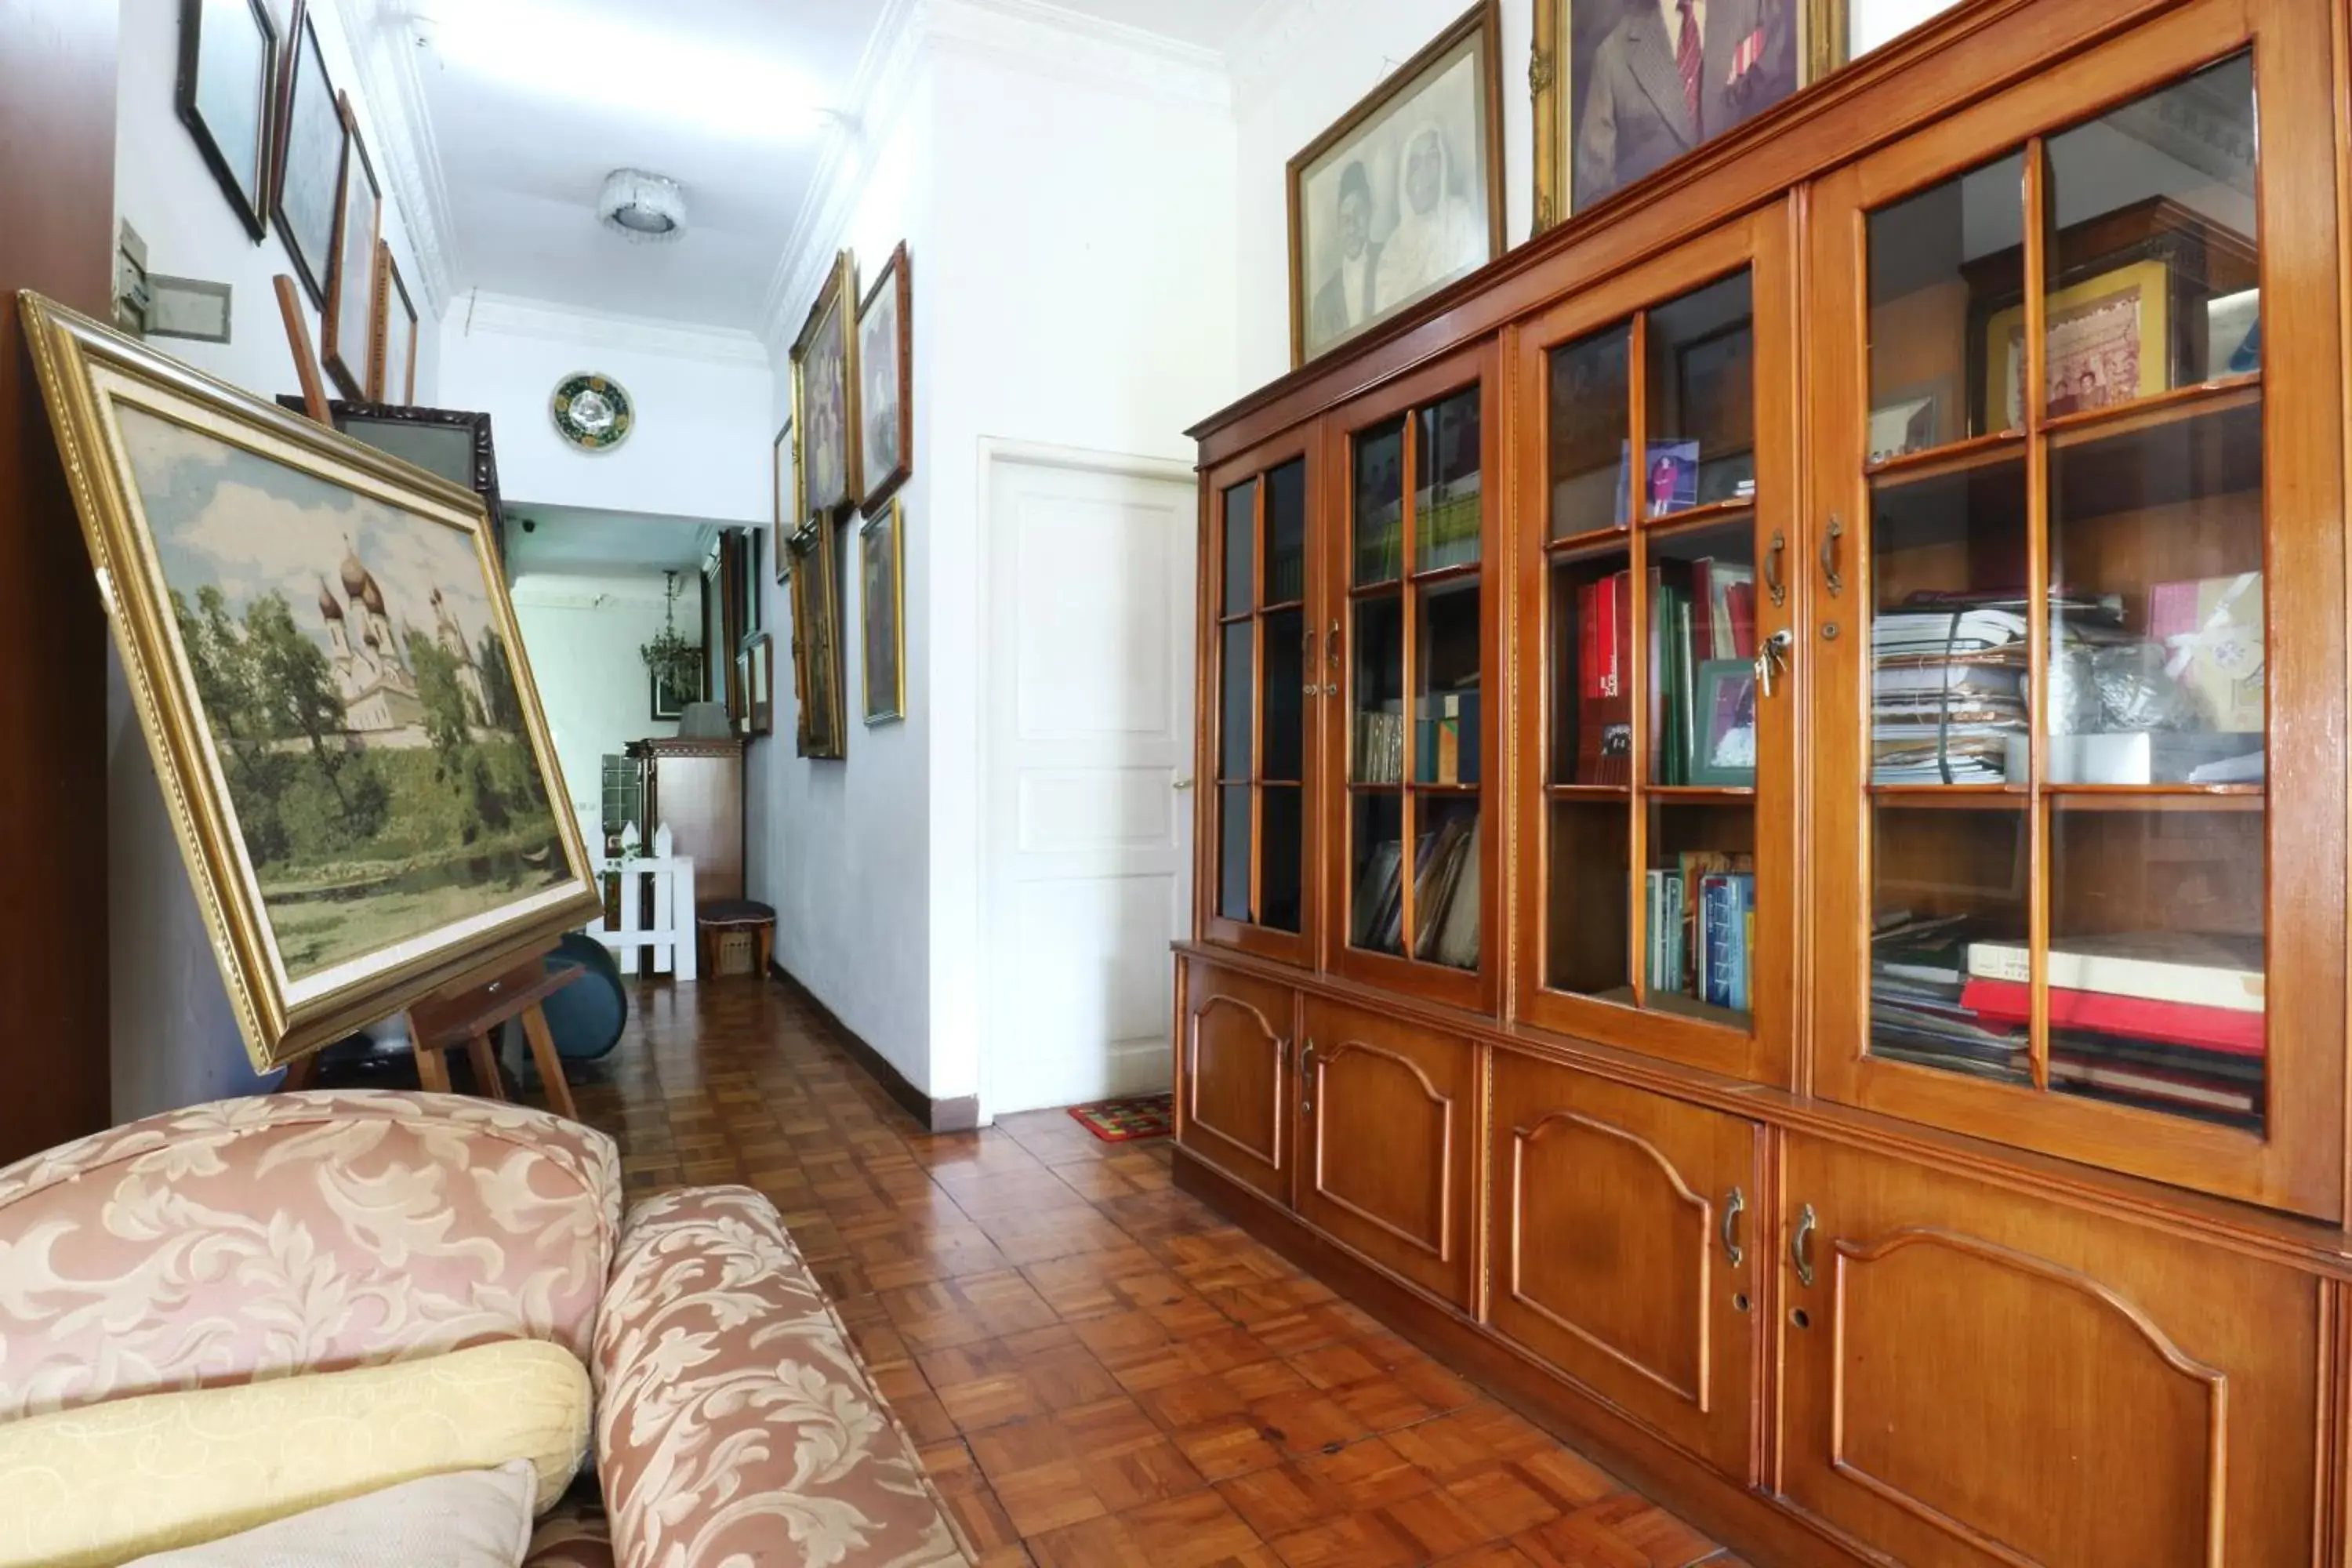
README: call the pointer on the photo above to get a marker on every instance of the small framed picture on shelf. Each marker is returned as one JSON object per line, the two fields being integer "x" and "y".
{"x": 1903, "y": 425}
{"x": 1669, "y": 478}
{"x": 1724, "y": 742}
{"x": 2233, "y": 333}
{"x": 2106, "y": 344}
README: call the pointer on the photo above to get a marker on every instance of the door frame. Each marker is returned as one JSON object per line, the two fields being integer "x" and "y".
{"x": 997, "y": 452}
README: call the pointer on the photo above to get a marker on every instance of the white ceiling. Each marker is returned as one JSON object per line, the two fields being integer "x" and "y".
{"x": 1210, "y": 24}
{"x": 583, "y": 541}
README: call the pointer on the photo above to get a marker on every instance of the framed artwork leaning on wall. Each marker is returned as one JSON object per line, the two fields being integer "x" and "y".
{"x": 347, "y": 333}
{"x": 327, "y": 668}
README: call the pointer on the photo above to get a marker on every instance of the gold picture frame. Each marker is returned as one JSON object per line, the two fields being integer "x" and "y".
{"x": 825, "y": 394}
{"x": 816, "y": 641}
{"x": 2086, "y": 328}
{"x": 882, "y": 604}
{"x": 367, "y": 816}
{"x": 784, "y": 461}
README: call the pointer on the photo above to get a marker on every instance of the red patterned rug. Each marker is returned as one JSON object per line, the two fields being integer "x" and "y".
{"x": 1124, "y": 1120}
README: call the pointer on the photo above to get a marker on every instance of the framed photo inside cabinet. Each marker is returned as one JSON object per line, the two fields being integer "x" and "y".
{"x": 1723, "y": 743}
{"x": 784, "y": 461}
{"x": 816, "y": 640}
{"x": 350, "y": 319}
{"x": 1404, "y": 195}
{"x": 392, "y": 368}
{"x": 882, "y": 598}
{"x": 886, "y": 361}
{"x": 824, "y": 394}
{"x": 1613, "y": 104}
{"x": 228, "y": 90}
{"x": 2105, "y": 345}
{"x": 307, "y": 181}
{"x": 328, "y": 671}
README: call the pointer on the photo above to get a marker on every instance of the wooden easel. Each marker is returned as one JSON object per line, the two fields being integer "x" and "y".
{"x": 465, "y": 1016}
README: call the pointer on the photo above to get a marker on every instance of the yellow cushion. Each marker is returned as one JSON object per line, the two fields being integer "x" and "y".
{"x": 108, "y": 1482}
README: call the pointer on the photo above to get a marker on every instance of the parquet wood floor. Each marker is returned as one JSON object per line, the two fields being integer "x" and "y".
{"x": 1099, "y": 1372}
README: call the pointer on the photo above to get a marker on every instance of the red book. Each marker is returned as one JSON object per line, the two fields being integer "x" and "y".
{"x": 2223, "y": 1029}
{"x": 1742, "y": 597}
{"x": 1588, "y": 642}
{"x": 1702, "y": 607}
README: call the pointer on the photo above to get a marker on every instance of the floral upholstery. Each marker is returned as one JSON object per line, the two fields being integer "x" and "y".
{"x": 574, "y": 1536}
{"x": 724, "y": 1376}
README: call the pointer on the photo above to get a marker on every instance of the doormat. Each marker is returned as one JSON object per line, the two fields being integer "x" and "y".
{"x": 1124, "y": 1120}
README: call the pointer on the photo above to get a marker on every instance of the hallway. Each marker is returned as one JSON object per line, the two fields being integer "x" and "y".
{"x": 1098, "y": 1369}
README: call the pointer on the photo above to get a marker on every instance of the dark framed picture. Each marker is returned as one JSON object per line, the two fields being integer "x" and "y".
{"x": 882, "y": 598}
{"x": 450, "y": 443}
{"x": 308, "y": 157}
{"x": 348, "y": 328}
{"x": 1404, "y": 195}
{"x": 667, "y": 698}
{"x": 816, "y": 640}
{"x": 886, "y": 359}
{"x": 824, "y": 394}
{"x": 392, "y": 366}
{"x": 759, "y": 662}
{"x": 228, "y": 83}
{"x": 1723, "y": 743}
{"x": 784, "y": 460}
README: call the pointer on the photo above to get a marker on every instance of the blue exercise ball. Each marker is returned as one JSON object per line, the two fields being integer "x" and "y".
{"x": 586, "y": 1018}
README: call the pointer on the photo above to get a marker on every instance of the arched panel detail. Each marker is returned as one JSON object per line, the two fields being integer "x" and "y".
{"x": 1271, "y": 1152}
{"x": 1440, "y": 1247}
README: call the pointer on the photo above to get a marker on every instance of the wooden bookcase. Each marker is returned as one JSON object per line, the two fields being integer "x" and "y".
{"x": 1881, "y": 593}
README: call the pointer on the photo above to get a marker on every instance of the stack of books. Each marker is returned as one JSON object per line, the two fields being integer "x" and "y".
{"x": 1379, "y": 745}
{"x": 1445, "y": 884}
{"x": 1702, "y": 929}
{"x": 1947, "y": 690}
{"x": 1448, "y": 525}
{"x": 1919, "y": 1010}
{"x": 2168, "y": 1021}
{"x": 1446, "y": 746}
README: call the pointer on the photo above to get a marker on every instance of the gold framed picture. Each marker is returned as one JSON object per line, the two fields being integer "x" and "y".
{"x": 1404, "y": 195}
{"x": 824, "y": 394}
{"x": 2106, "y": 340}
{"x": 326, "y": 665}
{"x": 784, "y": 459}
{"x": 882, "y": 578}
{"x": 816, "y": 640}
{"x": 886, "y": 325}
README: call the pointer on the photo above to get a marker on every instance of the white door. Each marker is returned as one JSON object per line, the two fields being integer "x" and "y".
{"x": 1087, "y": 822}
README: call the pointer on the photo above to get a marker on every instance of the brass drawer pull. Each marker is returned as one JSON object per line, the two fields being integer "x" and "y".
{"x": 1732, "y": 1252}
{"x": 1830, "y": 555}
{"x": 1772, "y": 559}
{"x": 1801, "y": 1246}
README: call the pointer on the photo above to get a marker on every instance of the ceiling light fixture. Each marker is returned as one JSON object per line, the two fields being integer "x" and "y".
{"x": 642, "y": 208}
{"x": 623, "y": 71}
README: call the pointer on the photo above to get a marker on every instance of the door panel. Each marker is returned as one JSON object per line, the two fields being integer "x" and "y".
{"x": 1611, "y": 1261}
{"x": 1389, "y": 1119}
{"x": 1975, "y": 1378}
{"x": 1235, "y": 1109}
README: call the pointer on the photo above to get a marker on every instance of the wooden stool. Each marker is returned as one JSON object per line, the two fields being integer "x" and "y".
{"x": 719, "y": 916}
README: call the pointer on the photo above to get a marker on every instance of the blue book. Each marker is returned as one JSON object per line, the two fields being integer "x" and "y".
{"x": 1726, "y": 899}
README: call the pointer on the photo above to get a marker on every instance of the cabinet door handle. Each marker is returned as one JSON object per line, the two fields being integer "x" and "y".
{"x": 1307, "y": 663}
{"x": 1732, "y": 1252}
{"x": 1307, "y": 1079}
{"x": 1772, "y": 559}
{"x": 1331, "y": 658}
{"x": 1830, "y": 539}
{"x": 1801, "y": 1246}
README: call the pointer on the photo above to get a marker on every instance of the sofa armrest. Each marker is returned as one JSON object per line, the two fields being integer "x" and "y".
{"x": 735, "y": 1421}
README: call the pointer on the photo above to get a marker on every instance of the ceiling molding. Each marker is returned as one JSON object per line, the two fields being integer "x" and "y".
{"x": 481, "y": 312}
{"x": 1266, "y": 42}
{"x": 385, "y": 56}
{"x": 1037, "y": 35}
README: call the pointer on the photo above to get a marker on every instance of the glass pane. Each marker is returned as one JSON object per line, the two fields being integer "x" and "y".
{"x": 1237, "y": 734}
{"x": 1445, "y": 665}
{"x": 1702, "y": 656}
{"x": 1285, "y": 533}
{"x": 2156, "y": 960}
{"x": 1380, "y": 737}
{"x": 2152, "y": 258}
{"x": 1948, "y": 641}
{"x": 1379, "y": 503}
{"x": 1445, "y": 883}
{"x": 1947, "y": 885}
{"x": 1592, "y": 868}
{"x": 1447, "y": 511}
{"x": 1241, "y": 532}
{"x": 1592, "y": 651}
{"x": 1700, "y": 893}
{"x": 1285, "y": 857}
{"x": 1702, "y": 394}
{"x": 1938, "y": 261}
{"x": 1287, "y": 656}
{"x": 1591, "y": 404}
{"x": 2158, "y": 644}
{"x": 1376, "y": 919}
{"x": 1233, "y": 853}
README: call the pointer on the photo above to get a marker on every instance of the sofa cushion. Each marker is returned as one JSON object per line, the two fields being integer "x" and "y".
{"x": 106, "y": 1483}
{"x": 297, "y": 1233}
{"x": 735, "y": 1423}
{"x": 475, "y": 1519}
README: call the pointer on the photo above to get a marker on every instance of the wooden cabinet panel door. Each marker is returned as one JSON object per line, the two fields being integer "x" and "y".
{"x": 1389, "y": 1127}
{"x": 1624, "y": 1243}
{"x": 1974, "y": 1377}
{"x": 1234, "y": 1083}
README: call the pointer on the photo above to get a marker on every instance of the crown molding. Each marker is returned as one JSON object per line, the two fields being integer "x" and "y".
{"x": 384, "y": 55}
{"x": 507, "y": 315}
{"x": 1038, "y": 36}
{"x": 1267, "y": 40}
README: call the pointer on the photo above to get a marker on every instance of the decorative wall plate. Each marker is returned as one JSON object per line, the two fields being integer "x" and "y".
{"x": 592, "y": 412}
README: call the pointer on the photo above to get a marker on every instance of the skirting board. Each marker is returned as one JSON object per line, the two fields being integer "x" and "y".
{"x": 959, "y": 1115}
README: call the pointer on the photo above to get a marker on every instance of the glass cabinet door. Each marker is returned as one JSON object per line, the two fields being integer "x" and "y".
{"x": 2069, "y": 510}
{"x": 1265, "y": 662}
{"x": 1660, "y": 793}
{"x": 1418, "y": 635}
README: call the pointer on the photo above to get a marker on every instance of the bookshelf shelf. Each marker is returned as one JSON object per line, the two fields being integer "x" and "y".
{"x": 1725, "y": 794}
{"x": 1596, "y": 541}
{"x": 2157, "y": 797}
{"x": 2162, "y": 411}
{"x": 1587, "y": 791}
{"x": 1952, "y": 457}
{"x": 1695, "y": 519}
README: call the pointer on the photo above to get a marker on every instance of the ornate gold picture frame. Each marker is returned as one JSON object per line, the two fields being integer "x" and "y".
{"x": 816, "y": 641}
{"x": 882, "y": 600}
{"x": 825, "y": 394}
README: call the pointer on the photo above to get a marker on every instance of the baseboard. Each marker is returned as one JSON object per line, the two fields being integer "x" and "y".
{"x": 959, "y": 1115}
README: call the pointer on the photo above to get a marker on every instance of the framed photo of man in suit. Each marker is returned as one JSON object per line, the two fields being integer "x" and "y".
{"x": 1404, "y": 195}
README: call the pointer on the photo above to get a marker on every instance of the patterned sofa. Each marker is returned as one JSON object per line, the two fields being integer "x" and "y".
{"x": 309, "y": 1232}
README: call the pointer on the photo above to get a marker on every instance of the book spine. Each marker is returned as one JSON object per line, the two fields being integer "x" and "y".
{"x": 2201, "y": 985}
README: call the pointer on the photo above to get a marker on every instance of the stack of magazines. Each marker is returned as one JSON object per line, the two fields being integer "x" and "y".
{"x": 1919, "y": 978}
{"x": 1947, "y": 690}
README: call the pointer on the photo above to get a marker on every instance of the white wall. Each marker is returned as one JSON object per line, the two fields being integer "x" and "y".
{"x": 582, "y": 635}
{"x": 699, "y": 445}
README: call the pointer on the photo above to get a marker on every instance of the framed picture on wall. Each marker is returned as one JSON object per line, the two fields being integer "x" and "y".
{"x": 668, "y": 694}
{"x": 882, "y": 598}
{"x": 784, "y": 460}
{"x": 816, "y": 640}
{"x": 308, "y": 157}
{"x": 824, "y": 394}
{"x": 228, "y": 86}
{"x": 1404, "y": 195}
{"x": 886, "y": 361}
{"x": 391, "y": 367}
{"x": 350, "y": 319}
